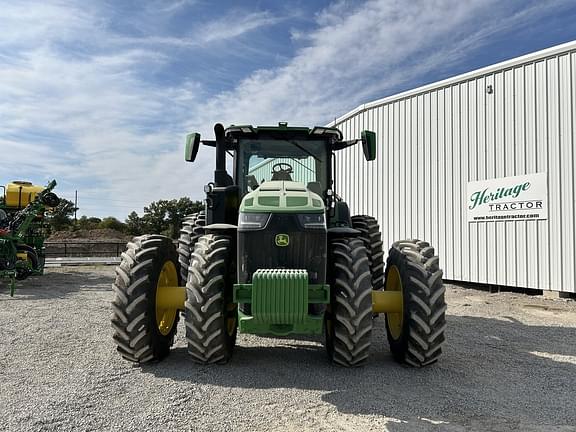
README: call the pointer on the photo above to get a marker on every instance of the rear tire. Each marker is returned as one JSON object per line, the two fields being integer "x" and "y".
{"x": 192, "y": 229}
{"x": 211, "y": 317}
{"x": 372, "y": 238}
{"x": 137, "y": 334}
{"x": 348, "y": 319}
{"x": 416, "y": 336}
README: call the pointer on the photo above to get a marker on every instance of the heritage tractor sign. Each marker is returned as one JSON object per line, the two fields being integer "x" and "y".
{"x": 508, "y": 198}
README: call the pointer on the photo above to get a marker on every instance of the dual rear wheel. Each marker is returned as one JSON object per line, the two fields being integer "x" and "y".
{"x": 143, "y": 316}
{"x": 416, "y": 333}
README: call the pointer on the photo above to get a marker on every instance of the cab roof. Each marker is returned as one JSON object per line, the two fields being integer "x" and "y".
{"x": 283, "y": 130}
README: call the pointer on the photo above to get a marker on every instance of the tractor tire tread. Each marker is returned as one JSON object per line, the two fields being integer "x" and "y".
{"x": 420, "y": 342}
{"x": 206, "y": 335}
{"x": 372, "y": 238}
{"x": 130, "y": 308}
{"x": 191, "y": 230}
{"x": 351, "y": 304}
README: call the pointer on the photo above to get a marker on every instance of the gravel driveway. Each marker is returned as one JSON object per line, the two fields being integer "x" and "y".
{"x": 509, "y": 364}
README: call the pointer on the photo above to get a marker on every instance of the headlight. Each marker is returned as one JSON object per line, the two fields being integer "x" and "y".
{"x": 253, "y": 221}
{"x": 312, "y": 220}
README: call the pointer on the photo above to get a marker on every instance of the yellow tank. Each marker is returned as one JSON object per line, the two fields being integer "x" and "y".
{"x": 20, "y": 193}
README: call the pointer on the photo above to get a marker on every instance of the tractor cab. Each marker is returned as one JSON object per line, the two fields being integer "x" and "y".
{"x": 282, "y": 154}
{"x": 269, "y": 154}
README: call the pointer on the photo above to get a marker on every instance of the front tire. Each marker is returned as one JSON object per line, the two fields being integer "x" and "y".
{"x": 416, "y": 335}
{"x": 211, "y": 317}
{"x": 348, "y": 320}
{"x": 144, "y": 332}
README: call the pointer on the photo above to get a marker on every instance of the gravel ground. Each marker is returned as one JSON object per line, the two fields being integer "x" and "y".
{"x": 509, "y": 364}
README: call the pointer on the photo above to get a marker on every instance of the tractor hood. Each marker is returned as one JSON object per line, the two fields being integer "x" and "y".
{"x": 282, "y": 197}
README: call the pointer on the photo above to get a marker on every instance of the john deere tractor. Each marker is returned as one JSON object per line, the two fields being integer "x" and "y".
{"x": 276, "y": 252}
{"x": 22, "y": 229}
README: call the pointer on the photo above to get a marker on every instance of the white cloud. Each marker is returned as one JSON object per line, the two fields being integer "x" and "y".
{"x": 27, "y": 23}
{"x": 236, "y": 24}
{"x": 357, "y": 53}
{"x": 232, "y": 25}
{"x": 90, "y": 119}
{"x": 73, "y": 96}
{"x": 170, "y": 7}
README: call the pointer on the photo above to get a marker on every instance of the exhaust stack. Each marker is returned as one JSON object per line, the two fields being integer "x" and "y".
{"x": 221, "y": 177}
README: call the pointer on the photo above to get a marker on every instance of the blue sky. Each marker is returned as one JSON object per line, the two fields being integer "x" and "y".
{"x": 101, "y": 94}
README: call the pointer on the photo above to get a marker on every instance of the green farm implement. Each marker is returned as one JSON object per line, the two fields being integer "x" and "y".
{"x": 22, "y": 229}
{"x": 277, "y": 252}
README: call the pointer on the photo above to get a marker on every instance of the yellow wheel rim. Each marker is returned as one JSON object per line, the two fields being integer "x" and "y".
{"x": 165, "y": 317}
{"x": 395, "y": 320}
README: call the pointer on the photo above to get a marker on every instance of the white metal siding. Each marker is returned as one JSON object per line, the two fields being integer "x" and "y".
{"x": 433, "y": 140}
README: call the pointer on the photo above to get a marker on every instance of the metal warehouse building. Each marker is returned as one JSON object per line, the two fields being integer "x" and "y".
{"x": 481, "y": 165}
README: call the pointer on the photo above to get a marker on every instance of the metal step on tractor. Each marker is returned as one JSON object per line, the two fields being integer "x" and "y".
{"x": 23, "y": 229}
{"x": 276, "y": 252}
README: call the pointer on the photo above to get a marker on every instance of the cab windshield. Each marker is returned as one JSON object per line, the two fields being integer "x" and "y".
{"x": 303, "y": 161}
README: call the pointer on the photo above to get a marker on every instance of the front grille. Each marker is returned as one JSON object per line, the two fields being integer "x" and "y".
{"x": 306, "y": 249}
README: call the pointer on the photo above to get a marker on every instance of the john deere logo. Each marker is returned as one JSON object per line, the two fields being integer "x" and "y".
{"x": 282, "y": 240}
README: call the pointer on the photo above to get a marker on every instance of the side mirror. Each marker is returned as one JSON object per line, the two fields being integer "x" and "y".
{"x": 192, "y": 144}
{"x": 369, "y": 144}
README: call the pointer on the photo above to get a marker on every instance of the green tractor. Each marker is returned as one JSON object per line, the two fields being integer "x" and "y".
{"x": 276, "y": 252}
{"x": 22, "y": 229}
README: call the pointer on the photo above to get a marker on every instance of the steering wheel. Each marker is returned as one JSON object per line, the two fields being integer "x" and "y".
{"x": 282, "y": 167}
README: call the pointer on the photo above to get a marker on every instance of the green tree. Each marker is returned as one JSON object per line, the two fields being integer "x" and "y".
{"x": 154, "y": 217}
{"x": 60, "y": 218}
{"x": 112, "y": 223}
{"x": 88, "y": 223}
{"x": 165, "y": 216}
{"x": 178, "y": 210}
{"x": 135, "y": 224}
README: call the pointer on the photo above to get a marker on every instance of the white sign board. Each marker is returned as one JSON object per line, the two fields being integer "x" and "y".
{"x": 508, "y": 198}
